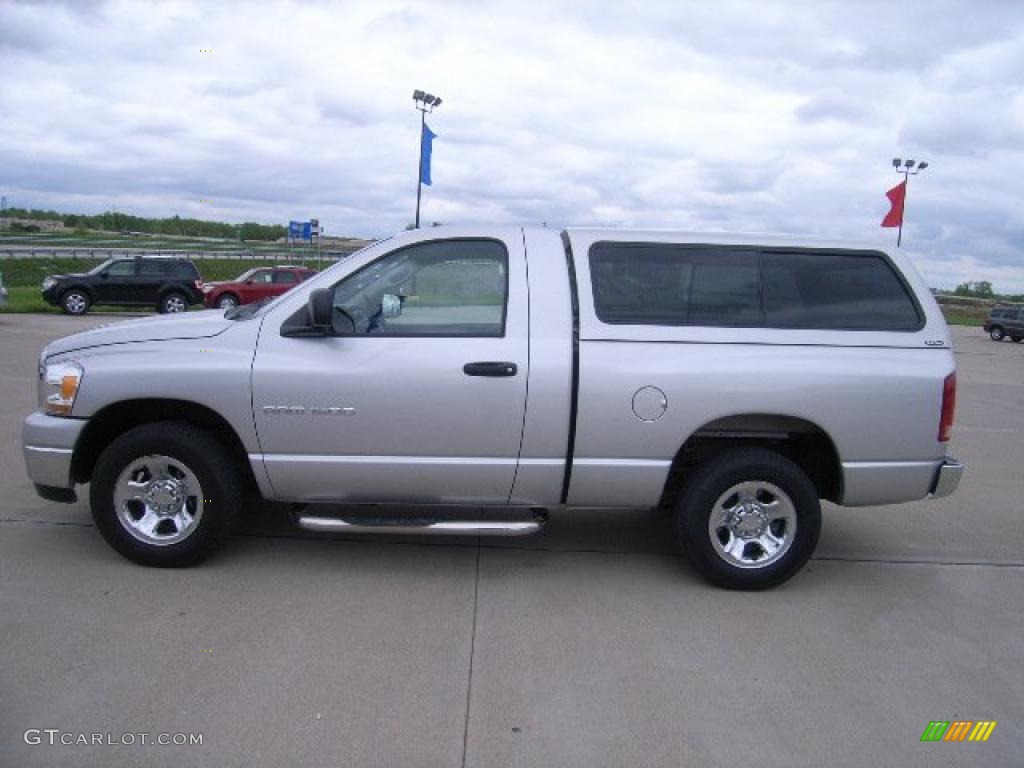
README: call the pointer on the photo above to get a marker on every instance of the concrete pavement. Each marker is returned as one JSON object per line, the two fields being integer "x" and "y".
{"x": 589, "y": 644}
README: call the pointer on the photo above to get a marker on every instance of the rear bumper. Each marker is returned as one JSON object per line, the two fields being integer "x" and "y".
{"x": 48, "y": 443}
{"x": 869, "y": 484}
{"x": 947, "y": 478}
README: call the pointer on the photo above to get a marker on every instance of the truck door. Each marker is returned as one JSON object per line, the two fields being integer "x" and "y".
{"x": 423, "y": 401}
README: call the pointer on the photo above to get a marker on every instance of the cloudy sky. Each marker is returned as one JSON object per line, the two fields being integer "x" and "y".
{"x": 708, "y": 116}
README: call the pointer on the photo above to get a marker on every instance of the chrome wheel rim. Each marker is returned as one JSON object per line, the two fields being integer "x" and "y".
{"x": 75, "y": 303}
{"x": 227, "y": 303}
{"x": 174, "y": 304}
{"x": 753, "y": 524}
{"x": 158, "y": 500}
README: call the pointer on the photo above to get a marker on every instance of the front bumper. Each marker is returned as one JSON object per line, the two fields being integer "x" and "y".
{"x": 947, "y": 478}
{"x": 48, "y": 443}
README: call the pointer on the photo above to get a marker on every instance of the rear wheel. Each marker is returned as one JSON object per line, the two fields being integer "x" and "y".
{"x": 166, "y": 494}
{"x": 75, "y": 302}
{"x": 748, "y": 519}
{"x": 172, "y": 303}
{"x": 997, "y": 334}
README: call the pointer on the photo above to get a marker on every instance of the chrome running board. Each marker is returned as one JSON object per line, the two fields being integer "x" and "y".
{"x": 420, "y": 526}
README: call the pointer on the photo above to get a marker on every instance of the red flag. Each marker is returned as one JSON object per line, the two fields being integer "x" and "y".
{"x": 896, "y": 195}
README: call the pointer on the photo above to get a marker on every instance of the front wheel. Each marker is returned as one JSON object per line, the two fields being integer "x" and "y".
{"x": 165, "y": 494}
{"x": 748, "y": 519}
{"x": 227, "y": 301}
{"x": 996, "y": 334}
{"x": 75, "y": 302}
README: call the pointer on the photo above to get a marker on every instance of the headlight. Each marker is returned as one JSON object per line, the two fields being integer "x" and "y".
{"x": 60, "y": 385}
{"x": 48, "y": 283}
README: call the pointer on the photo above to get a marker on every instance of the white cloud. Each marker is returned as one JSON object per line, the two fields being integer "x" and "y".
{"x": 743, "y": 116}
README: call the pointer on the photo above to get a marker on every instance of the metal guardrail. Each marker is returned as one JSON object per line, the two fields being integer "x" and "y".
{"x": 110, "y": 253}
{"x": 965, "y": 301}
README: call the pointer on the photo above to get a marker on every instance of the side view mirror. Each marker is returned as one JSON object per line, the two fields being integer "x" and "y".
{"x": 250, "y": 281}
{"x": 325, "y": 317}
{"x": 321, "y": 304}
{"x": 390, "y": 306}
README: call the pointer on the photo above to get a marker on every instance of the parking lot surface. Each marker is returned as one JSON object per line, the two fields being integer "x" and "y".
{"x": 589, "y": 644}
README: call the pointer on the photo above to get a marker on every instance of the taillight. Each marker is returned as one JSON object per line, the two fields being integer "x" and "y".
{"x": 199, "y": 285}
{"x": 948, "y": 406}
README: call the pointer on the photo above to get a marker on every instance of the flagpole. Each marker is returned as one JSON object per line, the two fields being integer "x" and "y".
{"x": 425, "y": 102}
{"x": 907, "y": 170}
{"x": 419, "y": 168}
{"x": 906, "y": 188}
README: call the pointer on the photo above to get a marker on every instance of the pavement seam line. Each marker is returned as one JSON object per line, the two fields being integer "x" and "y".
{"x": 472, "y": 652}
{"x": 355, "y": 539}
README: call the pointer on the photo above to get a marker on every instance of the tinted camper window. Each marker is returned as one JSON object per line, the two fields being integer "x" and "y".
{"x": 659, "y": 284}
{"x": 835, "y": 290}
{"x": 668, "y": 284}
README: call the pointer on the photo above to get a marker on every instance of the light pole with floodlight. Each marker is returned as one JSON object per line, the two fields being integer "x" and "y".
{"x": 425, "y": 102}
{"x": 907, "y": 172}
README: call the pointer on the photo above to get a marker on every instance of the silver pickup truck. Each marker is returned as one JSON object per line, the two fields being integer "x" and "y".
{"x": 735, "y": 381}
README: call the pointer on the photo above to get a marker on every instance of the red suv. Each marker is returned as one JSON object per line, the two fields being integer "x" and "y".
{"x": 256, "y": 284}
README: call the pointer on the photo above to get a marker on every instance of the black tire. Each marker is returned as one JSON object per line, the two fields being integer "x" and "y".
{"x": 227, "y": 301}
{"x": 173, "y": 302}
{"x": 997, "y": 334}
{"x": 75, "y": 302}
{"x": 706, "y": 487}
{"x": 220, "y": 488}
{"x": 1016, "y": 339}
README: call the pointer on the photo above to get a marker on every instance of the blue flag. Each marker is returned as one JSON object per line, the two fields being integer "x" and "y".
{"x": 426, "y": 143}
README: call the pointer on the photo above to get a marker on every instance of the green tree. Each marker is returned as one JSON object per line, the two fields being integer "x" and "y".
{"x": 982, "y": 289}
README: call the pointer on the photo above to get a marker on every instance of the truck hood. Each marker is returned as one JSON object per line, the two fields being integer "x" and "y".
{"x": 193, "y": 325}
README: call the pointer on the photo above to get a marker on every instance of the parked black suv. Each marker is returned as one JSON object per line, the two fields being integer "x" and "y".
{"x": 1005, "y": 321}
{"x": 169, "y": 284}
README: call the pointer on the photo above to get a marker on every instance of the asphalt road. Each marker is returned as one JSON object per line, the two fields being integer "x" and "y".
{"x": 590, "y": 644}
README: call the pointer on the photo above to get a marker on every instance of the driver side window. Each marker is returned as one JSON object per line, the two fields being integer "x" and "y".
{"x": 440, "y": 288}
